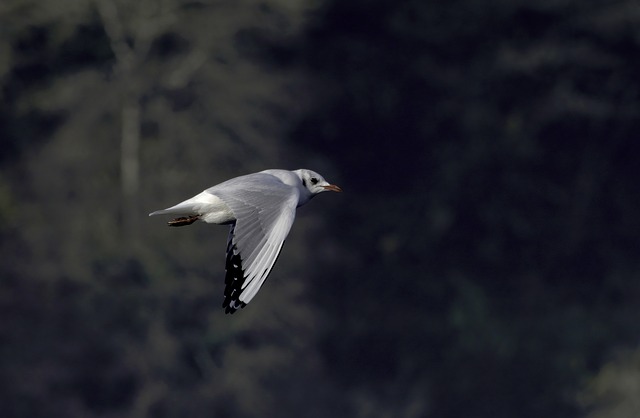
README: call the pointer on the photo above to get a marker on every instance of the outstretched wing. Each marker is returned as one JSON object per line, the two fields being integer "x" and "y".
{"x": 264, "y": 209}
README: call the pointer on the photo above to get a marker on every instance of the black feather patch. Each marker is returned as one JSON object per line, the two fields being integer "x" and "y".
{"x": 234, "y": 277}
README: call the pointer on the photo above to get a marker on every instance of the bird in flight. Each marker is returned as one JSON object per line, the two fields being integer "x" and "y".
{"x": 260, "y": 208}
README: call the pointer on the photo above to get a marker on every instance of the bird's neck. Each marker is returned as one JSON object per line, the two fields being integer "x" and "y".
{"x": 305, "y": 195}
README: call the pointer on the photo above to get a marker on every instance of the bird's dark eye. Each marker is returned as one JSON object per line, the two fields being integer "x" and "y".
{"x": 314, "y": 180}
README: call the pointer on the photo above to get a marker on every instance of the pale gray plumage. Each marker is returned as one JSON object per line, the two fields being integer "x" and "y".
{"x": 261, "y": 208}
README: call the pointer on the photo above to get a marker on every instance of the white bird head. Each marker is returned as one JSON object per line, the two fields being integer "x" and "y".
{"x": 315, "y": 183}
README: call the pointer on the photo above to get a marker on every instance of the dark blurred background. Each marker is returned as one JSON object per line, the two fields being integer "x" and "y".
{"x": 482, "y": 262}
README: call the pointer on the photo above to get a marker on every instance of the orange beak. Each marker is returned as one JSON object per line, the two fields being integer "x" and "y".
{"x": 332, "y": 188}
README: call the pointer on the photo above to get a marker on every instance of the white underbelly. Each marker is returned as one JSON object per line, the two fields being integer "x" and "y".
{"x": 213, "y": 210}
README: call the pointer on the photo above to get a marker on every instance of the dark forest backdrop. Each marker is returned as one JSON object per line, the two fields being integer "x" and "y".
{"x": 482, "y": 262}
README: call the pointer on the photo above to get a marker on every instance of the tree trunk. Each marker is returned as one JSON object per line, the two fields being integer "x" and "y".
{"x": 126, "y": 61}
{"x": 130, "y": 170}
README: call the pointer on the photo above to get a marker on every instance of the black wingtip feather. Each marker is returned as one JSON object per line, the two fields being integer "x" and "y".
{"x": 234, "y": 279}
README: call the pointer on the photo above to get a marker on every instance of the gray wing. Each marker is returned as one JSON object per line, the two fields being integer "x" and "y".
{"x": 264, "y": 209}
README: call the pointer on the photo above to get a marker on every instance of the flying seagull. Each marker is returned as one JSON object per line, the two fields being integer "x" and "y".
{"x": 260, "y": 208}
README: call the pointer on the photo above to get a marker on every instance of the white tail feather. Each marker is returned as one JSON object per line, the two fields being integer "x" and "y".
{"x": 184, "y": 208}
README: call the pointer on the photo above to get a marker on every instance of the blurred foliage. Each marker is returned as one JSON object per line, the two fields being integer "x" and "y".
{"x": 493, "y": 147}
{"x": 613, "y": 392}
{"x": 482, "y": 262}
